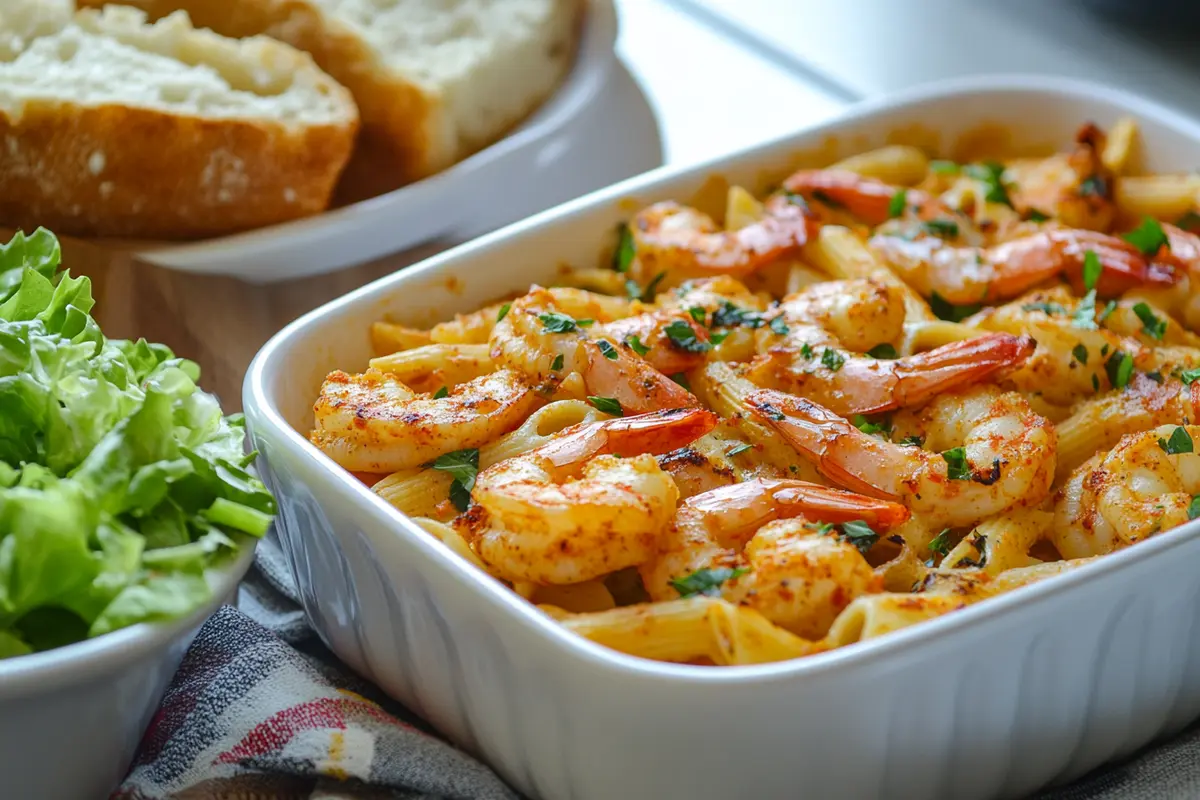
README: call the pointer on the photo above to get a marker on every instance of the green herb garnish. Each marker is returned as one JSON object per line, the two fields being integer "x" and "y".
{"x": 553, "y": 322}
{"x": 944, "y": 309}
{"x": 607, "y": 350}
{"x": 859, "y": 534}
{"x": 1119, "y": 368}
{"x": 684, "y": 337}
{"x": 440, "y": 393}
{"x": 623, "y": 256}
{"x": 944, "y": 228}
{"x": 779, "y": 325}
{"x": 1080, "y": 353}
{"x": 940, "y": 544}
{"x": 504, "y": 309}
{"x": 957, "y": 468}
{"x": 463, "y": 466}
{"x": 883, "y": 351}
{"x": 897, "y": 203}
{"x": 706, "y": 581}
{"x": 741, "y": 448}
{"x": 866, "y": 426}
{"x": 831, "y": 359}
{"x": 1091, "y": 269}
{"x": 635, "y": 344}
{"x": 1149, "y": 237}
{"x": 608, "y": 405}
{"x": 1179, "y": 442}
{"x": 1152, "y": 326}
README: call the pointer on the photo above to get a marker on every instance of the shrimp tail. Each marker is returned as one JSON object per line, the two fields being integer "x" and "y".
{"x": 632, "y": 382}
{"x": 1124, "y": 266}
{"x": 955, "y": 365}
{"x": 868, "y": 199}
{"x": 656, "y": 433}
{"x": 838, "y": 505}
{"x": 818, "y": 434}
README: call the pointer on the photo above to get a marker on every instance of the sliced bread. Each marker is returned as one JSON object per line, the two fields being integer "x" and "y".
{"x": 435, "y": 80}
{"x": 110, "y": 126}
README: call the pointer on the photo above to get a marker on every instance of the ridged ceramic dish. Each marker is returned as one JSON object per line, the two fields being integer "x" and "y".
{"x": 422, "y": 211}
{"x": 71, "y": 718}
{"x": 1036, "y": 686}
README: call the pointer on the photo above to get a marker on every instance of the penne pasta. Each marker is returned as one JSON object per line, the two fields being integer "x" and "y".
{"x": 387, "y": 337}
{"x": 874, "y": 615}
{"x": 897, "y": 164}
{"x": 1159, "y": 196}
{"x": 448, "y": 364}
{"x": 841, "y": 254}
{"x": 1118, "y": 150}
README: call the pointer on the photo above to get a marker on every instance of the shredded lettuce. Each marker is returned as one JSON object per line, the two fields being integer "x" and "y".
{"x": 120, "y": 480}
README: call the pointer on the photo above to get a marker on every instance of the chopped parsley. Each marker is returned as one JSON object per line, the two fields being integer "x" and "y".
{"x": 684, "y": 337}
{"x": 1148, "y": 237}
{"x": 558, "y": 363}
{"x": 1193, "y": 509}
{"x": 884, "y": 350}
{"x": 1084, "y": 317}
{"x": 991, "y": 174}
{"x": 463, "y": 466}
{"x": 504, "y": 309}
{"x": 635, "y": 292}
{"x": 730, "y": 316}
{"x": 866, "y": 426}
{"x": 779, "y": 325}
{"x": 1155, "y": 376}
{"x": 945, "y": 228}
{"x": 1033, "y": 215}
{"x": 1119, "y": 368}
{"x": 682, "y": 380}
{"x": 706, "y": 581}
{"x": 608, "y": 405}
{"x": 635, "y": 344}
{"x": 957, "y": 468}
{"x": 1091, "y": 269}
{"x": 911, "y": 441}
{"x": 1190, "y": 376}
{"x": 859, "y": 534}
{"x": 806, "y": 351}
{"x": 553, "y": 322}
{"x": 1179, "y": 442}
{"x": 943, "y": 167}
{"x": 897, "y": 203}
{"x": 1050, "y": 309}
{"x": 1189, "y": 222}
{"x": 1095, "y": 383}
{"x": 716, "y": 338}
{"x": 820, "y": 527}
{"x": 623, "y": 256}
{"x": 940, "y": 544}
{"x": 440, "y": 393}
{"x": 741, "y": 448}
{"x": 832, "y": 359}
{"x": 607, "y": 349}
{"x": 1109, "y": 307}
{"x": 944, "y": 309}
{"x": 697, "y": 313}
{"x": 1152, "y": 326}
{"x": 1080, "y": 353}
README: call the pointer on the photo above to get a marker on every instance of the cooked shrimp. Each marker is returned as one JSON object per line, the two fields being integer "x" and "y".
{"x": 374, "y": 423}
{"x": 476, "y": 327}
{"x": 827, "y": 326}
{"x": 867, "y": 199}
{"x": 684, "y": 242}
{"x": 1077, "y": 355}
{"x": 590, "y": 502}
{"x": 795, "y": 572}
{"x": 539, "y": 341}
{"x": 983, "y": 451}
{"x": 1098, "y": 424}
{"x": 1146, "y": 484}
{"x": 1181, "y": 299}
{"x": 669, "y": 339}
{"x": 970, "y": 275}
{"x": 1074, "y": 188}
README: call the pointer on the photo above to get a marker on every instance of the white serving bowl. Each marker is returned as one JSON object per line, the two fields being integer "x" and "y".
{"x": 996, "y": 700}
{"x": 71, "y": 718}
{"x": 421, "y": 211}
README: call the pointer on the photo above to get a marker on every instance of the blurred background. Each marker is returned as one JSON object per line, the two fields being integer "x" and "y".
{"x": 735, "y": 72}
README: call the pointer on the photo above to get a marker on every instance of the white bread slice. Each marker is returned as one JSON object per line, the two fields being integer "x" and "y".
{"x": 110, "y": 126}
{"x": 435, "y": 80}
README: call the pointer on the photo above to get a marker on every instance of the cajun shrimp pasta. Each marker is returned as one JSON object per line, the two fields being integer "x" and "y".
{"x": 884, "y": 391}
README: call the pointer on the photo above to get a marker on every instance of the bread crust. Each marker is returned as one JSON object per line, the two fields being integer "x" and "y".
{"x": 117, "y": 170}
{"x": 402, "y": 125}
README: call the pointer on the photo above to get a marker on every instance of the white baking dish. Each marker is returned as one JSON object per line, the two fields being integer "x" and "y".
{"x": 71, "y": 718}
{"x": 1036, "y": 686}
{"x": 422, "y": 211}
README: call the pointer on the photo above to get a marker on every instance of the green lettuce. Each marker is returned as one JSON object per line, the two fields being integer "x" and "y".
{"x": 121, "y": 482}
